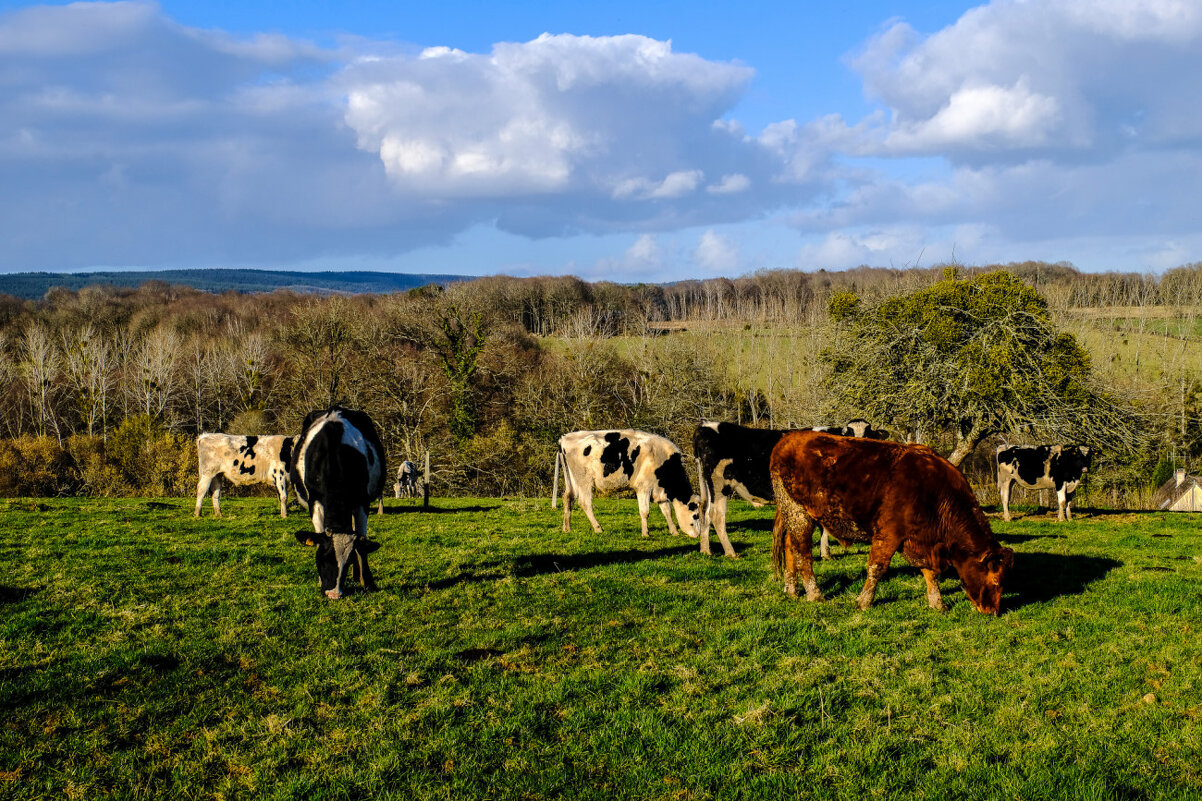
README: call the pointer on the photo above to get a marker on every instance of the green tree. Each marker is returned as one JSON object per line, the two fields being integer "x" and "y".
{"x": 971, "y": 357}
{"x": 459, "y": 352}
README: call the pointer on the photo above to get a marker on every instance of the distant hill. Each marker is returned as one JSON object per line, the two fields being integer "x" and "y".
{"x": 34, "y": 286}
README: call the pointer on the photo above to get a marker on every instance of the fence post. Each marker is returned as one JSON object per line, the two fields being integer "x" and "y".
{"x": 426, "y": 483}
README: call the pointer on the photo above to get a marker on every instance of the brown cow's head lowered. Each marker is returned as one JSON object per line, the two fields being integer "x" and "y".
{"x": 983, "y": 576}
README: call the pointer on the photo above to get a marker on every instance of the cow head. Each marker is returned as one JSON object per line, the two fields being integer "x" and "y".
{"x": 983, "y": 577}
{"x": 688, "y": 515}
{"x": 336, "y": 552}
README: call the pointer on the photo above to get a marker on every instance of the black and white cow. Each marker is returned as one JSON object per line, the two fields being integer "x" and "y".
{"x": 854, "y": 428}
{"x": 338, "y": 471}
{"x": 242, "y": 460}
{"x": 406, "y": 480}
{"x": 612, "y": 460}
{"x": 1056, "y": 467}
{"x": 733, "y": 459}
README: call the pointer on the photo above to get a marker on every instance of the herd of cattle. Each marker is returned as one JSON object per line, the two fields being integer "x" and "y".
{"x": 851, "y": 482}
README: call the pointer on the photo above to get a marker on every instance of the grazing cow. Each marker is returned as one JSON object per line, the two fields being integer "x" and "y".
{"x": 611, "y": 460}
{"x": 854, "y": 428}
{"x": 895, "y": 496}
{"x": 406, "y": 480}
{"x": 734, "y": 459}
{"x": 1058, "y": 467}
{"x": 242, "y": 460}
{"x": 338, "y": 471}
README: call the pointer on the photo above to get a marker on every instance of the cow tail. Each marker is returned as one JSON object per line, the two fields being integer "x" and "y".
{"x": 555, "y": 482}
{"x": 780, "y": 526}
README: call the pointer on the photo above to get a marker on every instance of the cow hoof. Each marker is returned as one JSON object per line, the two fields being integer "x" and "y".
{"x": 815, "y": 597}
{"x": 733, "y": 555}
{"x": 333, "y": 595}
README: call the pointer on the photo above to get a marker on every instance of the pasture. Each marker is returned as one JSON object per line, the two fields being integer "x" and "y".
{"x": 144, "y": 653}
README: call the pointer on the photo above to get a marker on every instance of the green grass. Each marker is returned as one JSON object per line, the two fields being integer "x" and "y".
{"x": 145, "y": 654}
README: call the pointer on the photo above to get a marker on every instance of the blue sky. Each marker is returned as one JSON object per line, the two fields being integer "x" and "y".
{"x": 648, "y": 141}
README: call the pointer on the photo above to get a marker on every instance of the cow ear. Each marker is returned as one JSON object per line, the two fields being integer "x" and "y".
{"x": 311, "y": 538}
{"x": 367, "y": 546}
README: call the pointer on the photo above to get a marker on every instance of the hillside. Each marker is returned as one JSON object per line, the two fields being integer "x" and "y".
{"x": 32, "y": 286}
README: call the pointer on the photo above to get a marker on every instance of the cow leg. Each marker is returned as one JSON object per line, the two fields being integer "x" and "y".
{"x": 202, "y": 489}
{"x": 644, "y": 499}
{"x": 824, "y": 546}
{"x": 218, "y": 480}
{"x": 360, "y": 521}
{"x": 793, "y": 532}
{"x": 933, "y": 597}
{"x": 718, "y": 510}
{"x": 567, "y": 505}
{"x": 586, "y": 503}
{"x": 665, "y": 509}
{"x": 319, "y": 517}
{"x": 878, "y": 562}
{"x": 381, "y": 508}
{"x": 281, "y": 486}
{"x": 1003, "y": 489}
{"x": 364, "y": 572}
{"x": 1062, "y": 501}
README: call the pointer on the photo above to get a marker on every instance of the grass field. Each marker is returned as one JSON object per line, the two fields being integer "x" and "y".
{"x": 146, "y": 654}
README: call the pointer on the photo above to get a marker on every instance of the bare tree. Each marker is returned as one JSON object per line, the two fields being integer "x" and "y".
{"x": 155, "y": 365}
{"x": 88, "y": 365}
{"x": 40, "y": 369}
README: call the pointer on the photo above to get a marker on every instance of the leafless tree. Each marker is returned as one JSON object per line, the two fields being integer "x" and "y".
{"x": 88, "y": 362}
{"x": 40, "y": 369}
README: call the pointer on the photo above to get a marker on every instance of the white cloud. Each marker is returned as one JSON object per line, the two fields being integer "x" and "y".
{"x": 716, "y": 255}
{"x": 730, "y": 184}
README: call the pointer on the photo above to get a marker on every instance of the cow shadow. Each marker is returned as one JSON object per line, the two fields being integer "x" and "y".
{"x": 1011, "y": 539}
{"x": 436, "y": 510}
{"x": 1040, "y": 577}
{"x": 543, "y": 564}
{"x": 13, "y": 595}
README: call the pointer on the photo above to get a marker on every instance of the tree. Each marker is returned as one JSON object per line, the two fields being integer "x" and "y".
{"x": 970, "y": 357}
{"x": 459, "y": 353}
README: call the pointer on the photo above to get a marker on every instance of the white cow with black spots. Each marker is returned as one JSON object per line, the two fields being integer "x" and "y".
{"x": 242, "y": 460}
{"x": 616, "y": 459}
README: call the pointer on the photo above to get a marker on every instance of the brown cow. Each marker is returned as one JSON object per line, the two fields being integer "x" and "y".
{"x": 895, "y": 496}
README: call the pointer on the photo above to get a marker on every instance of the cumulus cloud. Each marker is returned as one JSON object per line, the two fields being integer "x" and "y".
{"x": 266, "y": 149}
{"x": 716, "y": 254}
{"x": 1022, "y": 128}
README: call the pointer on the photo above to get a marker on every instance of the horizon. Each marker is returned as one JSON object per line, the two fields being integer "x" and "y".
{"x": 635, "y": 143}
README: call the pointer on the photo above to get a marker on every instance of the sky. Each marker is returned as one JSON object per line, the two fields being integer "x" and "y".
{"x": 656, "y": 140}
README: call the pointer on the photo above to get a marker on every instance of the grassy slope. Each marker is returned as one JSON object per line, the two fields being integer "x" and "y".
{"x": 144, "y": 653}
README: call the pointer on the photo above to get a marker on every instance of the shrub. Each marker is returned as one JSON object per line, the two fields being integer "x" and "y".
{"x": 36, "y": 467}
{"x": 98, "y": 475}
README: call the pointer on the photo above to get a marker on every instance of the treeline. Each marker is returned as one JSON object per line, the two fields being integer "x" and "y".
{"x": 103, "y": 389}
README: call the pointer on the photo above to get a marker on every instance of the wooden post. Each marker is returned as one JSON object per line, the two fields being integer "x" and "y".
{"x": 426, "y": 483}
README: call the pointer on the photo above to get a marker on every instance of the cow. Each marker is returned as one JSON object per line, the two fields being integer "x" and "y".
{"x": 854, "y": 428}
{"x": 611, "y": 460}
{"x": 242, "y": 460}
{"x": 406, "y": 480}
{"x": 1058, "y": 467}
{"x": 734, "y": 459}
{"x": 894, "y": 496}
{"x": 338, "y": 471}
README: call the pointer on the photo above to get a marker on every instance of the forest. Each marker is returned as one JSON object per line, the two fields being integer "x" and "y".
{"x": 104, "y": 389}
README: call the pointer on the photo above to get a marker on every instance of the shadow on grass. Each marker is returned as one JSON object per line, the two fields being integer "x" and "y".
{"x": 1009, "y": 539}
{"x": 542, "y": 564}
{"x": 12, "y": 595}
{"x": 1039, "y": 577}
{"x": 398, "y": 510}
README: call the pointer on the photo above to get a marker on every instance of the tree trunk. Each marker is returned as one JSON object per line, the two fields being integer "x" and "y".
{"x": 967, "y": 443}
